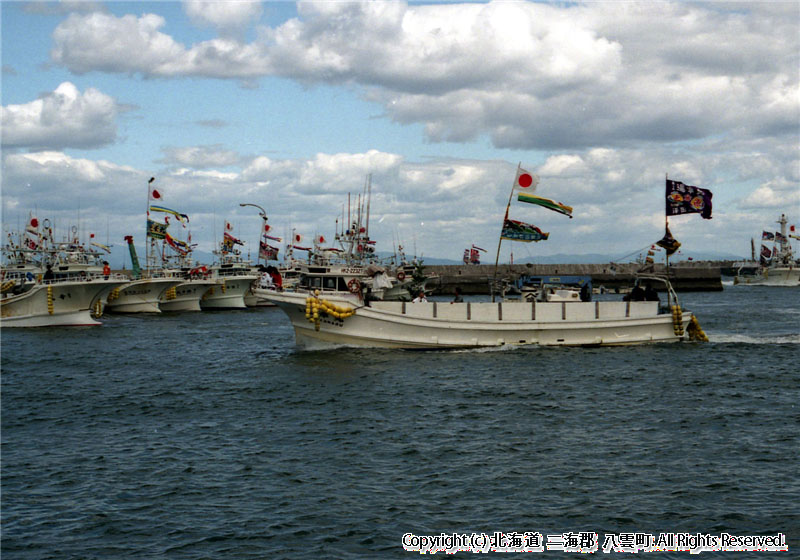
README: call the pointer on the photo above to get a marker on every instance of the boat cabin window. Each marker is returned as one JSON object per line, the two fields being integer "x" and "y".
{"x": 329, "y": 283}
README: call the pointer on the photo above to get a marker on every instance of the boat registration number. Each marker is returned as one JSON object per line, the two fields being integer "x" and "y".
{"x": 352, "y": 270}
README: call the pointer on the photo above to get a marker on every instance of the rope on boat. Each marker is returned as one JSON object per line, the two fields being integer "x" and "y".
{"x": 7, "y": 286}
{"x": 316, "y": 307}
{"x": 677, "y": 320}
{"x": 98, "y": 309}
{"x": 50, "y": 307}
{"x": 113, "y": 295}
{"x": 695, "y": 331}
{"x": 171, "y": 293}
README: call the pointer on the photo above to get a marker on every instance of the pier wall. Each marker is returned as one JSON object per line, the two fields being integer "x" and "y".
{"x": 475, "y": 279}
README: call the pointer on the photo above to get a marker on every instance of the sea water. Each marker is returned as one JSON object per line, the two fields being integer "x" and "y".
{"x": 209, "y": 435}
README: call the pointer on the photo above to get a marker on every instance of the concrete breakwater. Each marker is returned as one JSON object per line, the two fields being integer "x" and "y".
{"x": 475, "y": 279}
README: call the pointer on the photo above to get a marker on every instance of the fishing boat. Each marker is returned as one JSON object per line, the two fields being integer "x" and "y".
{"x": 321, "y": 321}
{"x": 554, "y": 288}
{"x": 234, "y": 276}
{"x": 170, "y": 257}
{"x": 51, "y": 284}
{"x": 353, "y": 266}
{"x": 777, "y": 266}
{"x": 142, "y": 294}
{"x": 186, "y": 296}
{"x": 63, "y": 302}
{"x": 335, "y": 317}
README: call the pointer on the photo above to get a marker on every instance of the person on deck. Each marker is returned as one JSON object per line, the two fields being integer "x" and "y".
{"x": 277, "y": 279}
{"x": 650, "y": 294}
{"x": 420, "y": 298}
{"x": 457, "y": 298}
{"x": 265, "y": 282}
{"x": 637, "y": 294}
{"x": 106, "y": 270}
{"x": 48, "y": 275}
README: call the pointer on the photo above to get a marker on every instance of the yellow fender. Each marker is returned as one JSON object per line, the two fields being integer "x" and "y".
{"x": 50, "y": 306}
{"x": 316, "y": 307}
{"x": 677, "y": 320}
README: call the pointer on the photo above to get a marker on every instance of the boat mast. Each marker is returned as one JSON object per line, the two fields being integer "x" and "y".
{"x": 500, "y": 240}
{"x": 666, "y": 258}
{"x": 369, "y": 199}
{"x": 147, "y": 238}
{"x": 263, "y": 234}
{"x": 783, "y": 254}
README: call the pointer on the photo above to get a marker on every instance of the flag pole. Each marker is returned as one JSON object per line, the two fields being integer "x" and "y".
{"x": 500, "y": 240}
{"x": 666, "y": 227}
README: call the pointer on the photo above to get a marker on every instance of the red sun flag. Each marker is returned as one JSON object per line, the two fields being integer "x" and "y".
{"x": 267, "y": 228}
{"x": 155, "y": 194}
{"x": 526, "y": 180}
{"x": 35, "y": 222}
{"x": 321, "y": 239}
{"x": 298, "y": 238}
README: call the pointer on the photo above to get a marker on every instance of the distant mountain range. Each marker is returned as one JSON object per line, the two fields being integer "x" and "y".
{"x": 120, "y": 258}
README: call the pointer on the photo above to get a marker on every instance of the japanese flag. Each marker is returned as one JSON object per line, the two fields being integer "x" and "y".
{"x": 298, "y": 238}
{"x": 320, "y": 239}
{"x": 526, "y": 181}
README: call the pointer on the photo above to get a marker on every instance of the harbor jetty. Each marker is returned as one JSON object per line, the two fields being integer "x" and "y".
{"x": 475, "y": 279}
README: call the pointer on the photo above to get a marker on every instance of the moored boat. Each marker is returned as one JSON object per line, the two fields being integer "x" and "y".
{"x": 186, "y": 296}
{"x": 63, "y": 302}
{"x": 233, "y": 276}
{"x": 776, "y": 266}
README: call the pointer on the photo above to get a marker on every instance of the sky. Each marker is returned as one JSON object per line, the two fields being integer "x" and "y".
{"x": 291, "y": 106}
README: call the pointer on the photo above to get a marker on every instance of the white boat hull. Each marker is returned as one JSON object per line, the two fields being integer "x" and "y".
{"x": 468, "y": 325}
{"x": 186, "y": 296}
{"x": 141, "y": 296}
{"x": 253, "y": 300}
{"x": 59, "y": 304}
{"x": 228, "y": 293}
{"x": 781, "y": 276}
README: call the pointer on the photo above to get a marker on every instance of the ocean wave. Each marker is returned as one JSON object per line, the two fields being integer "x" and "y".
{"x": 735, "y": 338}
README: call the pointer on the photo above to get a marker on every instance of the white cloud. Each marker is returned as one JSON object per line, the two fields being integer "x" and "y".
{"x": 230, "y": 18}
{"x": 200, "y": 157}
{"x": 777, "y": 194}
{"x": 528, "y": 75}
{"x": 64, "y": 118}
{"x": 107, "y": 43}
{"x": 458, "y": 201}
